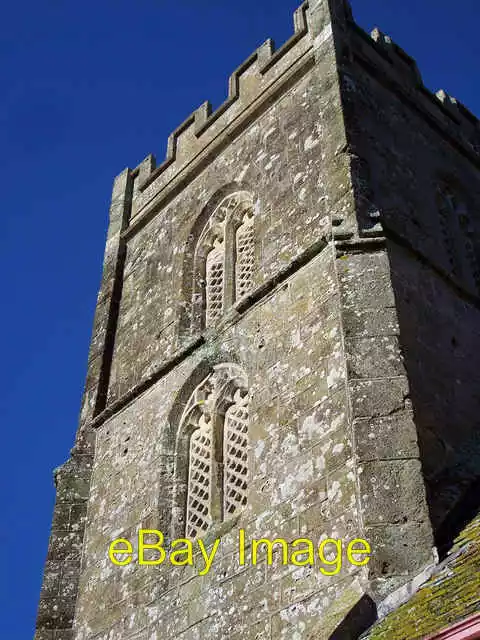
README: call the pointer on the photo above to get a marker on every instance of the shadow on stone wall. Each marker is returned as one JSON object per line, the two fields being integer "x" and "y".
{"x": 440, "y": 342}
{"x": 360, "y": 618}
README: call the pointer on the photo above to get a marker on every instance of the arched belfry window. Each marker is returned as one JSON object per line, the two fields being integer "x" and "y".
{"x": 212, "y": 452}
{"x": 460, "y": 237}
{"x": 223, "y": 259}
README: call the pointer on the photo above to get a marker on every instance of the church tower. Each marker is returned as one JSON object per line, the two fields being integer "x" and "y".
{"x": 284, "y": 345}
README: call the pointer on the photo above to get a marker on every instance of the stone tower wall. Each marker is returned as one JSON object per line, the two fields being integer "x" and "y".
{"x": 407, "y": 146}
{"x": 301, "y": 481}
{"x": 323, "y": 338}
{"x": 287, "y": 336}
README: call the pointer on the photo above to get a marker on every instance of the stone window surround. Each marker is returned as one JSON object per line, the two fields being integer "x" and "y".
{"x": 458, "y": 232}
{"x": 233, "y": 213}
{"x": 223, "y": 388}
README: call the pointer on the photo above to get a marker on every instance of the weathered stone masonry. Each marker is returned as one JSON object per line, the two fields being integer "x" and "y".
{"x": 354, "y": 324}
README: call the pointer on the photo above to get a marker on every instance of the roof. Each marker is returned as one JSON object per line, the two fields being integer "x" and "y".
{"x": 449, "y": 596}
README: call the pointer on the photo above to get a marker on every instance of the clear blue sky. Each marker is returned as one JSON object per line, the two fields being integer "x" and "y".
{"x": 87, "y": 89}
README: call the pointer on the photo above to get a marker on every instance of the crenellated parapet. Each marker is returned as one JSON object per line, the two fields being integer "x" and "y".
{"x": 248, "y": 85}
{"x": 386, "y": 59}
{"x": 252, "y": 87}
{"x": 404, "y": 65}
{"x": 269, "y": 71}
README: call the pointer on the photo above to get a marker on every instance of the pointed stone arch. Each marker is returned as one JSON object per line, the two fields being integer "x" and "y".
{"x": 218, "y": 262}
{"x": 206, "y": 438}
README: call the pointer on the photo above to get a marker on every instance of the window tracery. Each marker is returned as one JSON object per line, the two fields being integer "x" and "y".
{"x": 224, "y": 259}
{"x": 459, "y": 236}
{"x": 446, "y": 209}
{"x": 215, "y": 426}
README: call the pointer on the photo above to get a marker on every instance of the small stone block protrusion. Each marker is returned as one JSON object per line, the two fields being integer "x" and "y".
{"x": 404, "y": 63}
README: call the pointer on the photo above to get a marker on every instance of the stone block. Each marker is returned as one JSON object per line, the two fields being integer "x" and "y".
{"x": 55, "y": 613}
{"x": 392, "y": 492}
{"x": 364, "y": 323}
{"x": 382, "y": 397}
{"x": 44, "y": 634}
{"x": 399, "y": 549}
{"x": 393, "y": 436}
{"x": 376, "y": 357}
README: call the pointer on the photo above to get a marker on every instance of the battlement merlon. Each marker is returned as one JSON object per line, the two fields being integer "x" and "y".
{"x": 250, "y": 85}
{"x": 262, "y": 72}
{"x": 381, "y": 53}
